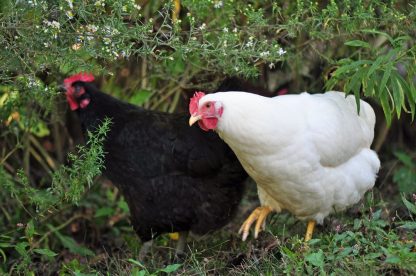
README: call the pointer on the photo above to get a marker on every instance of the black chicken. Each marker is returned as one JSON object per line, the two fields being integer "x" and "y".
{"x": 173, "y": 177}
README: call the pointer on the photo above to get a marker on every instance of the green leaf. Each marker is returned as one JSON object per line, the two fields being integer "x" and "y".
{"x": 384, "y": 100}
{"x": 411, "y": 225}
{"x": 392, "y": 259}
{"x": 314, "y": 241}
{"x": 372, "y": 31}
{"x": 316, "y": 259}
{"x": 133, "y": 261}
{"x": 21, "y": 248}
{"x": 398, "y": 96}
{"x": 346, "y": 252}
{"x": 357, "y": 43}
{"x": 354, "y": 84}
{"x": 74, "y": 247}
{"x": 45, "y": 251}
{"x": 351, "y": 66}
{"x": 71, "y": 244}
{"x": 171, "y": 268}
{"x": 104, "y": 212}
{"x": 376, "y": 215}
{"x": 3, "y": 255}
{"x": 30, "y": 229}
{"x": 405, "y": 178}
{"x": 140, "y": 97}
{"x": 373, "y": 255}
{"x": 407, "y": 90}
{"x": 375, "y": 65}
{"x": 410, "y": 206}
{"x": 122, "y": 204}
{"x": 386, "y": 75}
{"x": 405, "y": 159}
{"x": 369, "y": 90}
{"x": 357, "y": 224}
{"x": 137, "y": 272}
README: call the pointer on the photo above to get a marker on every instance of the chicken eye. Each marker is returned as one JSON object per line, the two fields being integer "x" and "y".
{"x": 208, "y": 105}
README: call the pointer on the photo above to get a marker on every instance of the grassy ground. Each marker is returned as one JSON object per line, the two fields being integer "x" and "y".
{"x": 376, "y": 240}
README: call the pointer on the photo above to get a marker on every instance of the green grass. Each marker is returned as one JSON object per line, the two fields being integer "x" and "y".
{"x": 362, "y": 241}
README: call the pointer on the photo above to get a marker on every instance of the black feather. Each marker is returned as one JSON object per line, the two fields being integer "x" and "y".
{"x": 173, "y": 177}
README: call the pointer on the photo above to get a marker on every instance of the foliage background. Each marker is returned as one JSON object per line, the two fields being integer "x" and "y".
{"x": 59, "y": 216}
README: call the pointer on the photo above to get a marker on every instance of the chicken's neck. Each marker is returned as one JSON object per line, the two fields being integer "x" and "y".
{"x": 103, "y": 106}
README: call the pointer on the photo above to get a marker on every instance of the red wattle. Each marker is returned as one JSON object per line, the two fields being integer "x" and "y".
{"x": 208, "y": 123}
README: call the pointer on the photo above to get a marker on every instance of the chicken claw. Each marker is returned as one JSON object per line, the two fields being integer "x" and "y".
{"x": 259, "y": 214}
{"x": 309, "y": 230}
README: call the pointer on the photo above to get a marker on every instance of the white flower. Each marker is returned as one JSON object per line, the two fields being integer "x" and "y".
{"x": 218, "y": 4}
{"x": 281, "y": 52}
{"x": 235, "y": 30}
{"x": 249, "y": 43}
{"x": 69, "y": 14}
{"x": 70, "y": 4}
{"x": 271, "y": 65}
{"x": 264, "y": 54}
{"x": 54, "y": 24}
{"x": 33, "y": 3}
{"x": 32, "y": 82}
{"x": 106, "y": 40}
{"x": 225, "y": 30}
{"x": 202, "y": 27}
{"x": 92, "y": 28}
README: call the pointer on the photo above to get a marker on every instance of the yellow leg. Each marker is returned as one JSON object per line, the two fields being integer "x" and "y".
{"x": 174, "y": 236}
{"x": 309, "y": 230}
{"x": 259, "y": 214}
{"x": 176, "y": 10}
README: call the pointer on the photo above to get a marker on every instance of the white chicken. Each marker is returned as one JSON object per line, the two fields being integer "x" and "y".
{"x": 309, "y": 153}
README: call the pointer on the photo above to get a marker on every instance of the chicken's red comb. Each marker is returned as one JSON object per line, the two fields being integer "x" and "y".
{"x": 85, "y": 77}
{"x": 193, "y": 105}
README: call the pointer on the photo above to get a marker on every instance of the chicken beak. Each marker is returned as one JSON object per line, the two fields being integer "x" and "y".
{"x": 193, "y": 119}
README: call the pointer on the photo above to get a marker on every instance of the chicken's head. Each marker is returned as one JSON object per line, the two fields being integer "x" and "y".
{"x": 74, "y": 93}
{"x": 206, "y": 113}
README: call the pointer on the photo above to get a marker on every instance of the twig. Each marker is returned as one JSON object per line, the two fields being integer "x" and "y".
{"x": 49, "y": 160}
{"x": 8, "y": 155}
{"x": 26, "y": 153}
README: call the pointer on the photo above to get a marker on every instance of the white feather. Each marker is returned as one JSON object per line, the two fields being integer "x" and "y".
{"x": 309, "y": 154}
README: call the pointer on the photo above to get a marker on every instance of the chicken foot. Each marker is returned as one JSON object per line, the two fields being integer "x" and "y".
{"x": 259, "y": 214}
{"x": 309, "y": 230}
